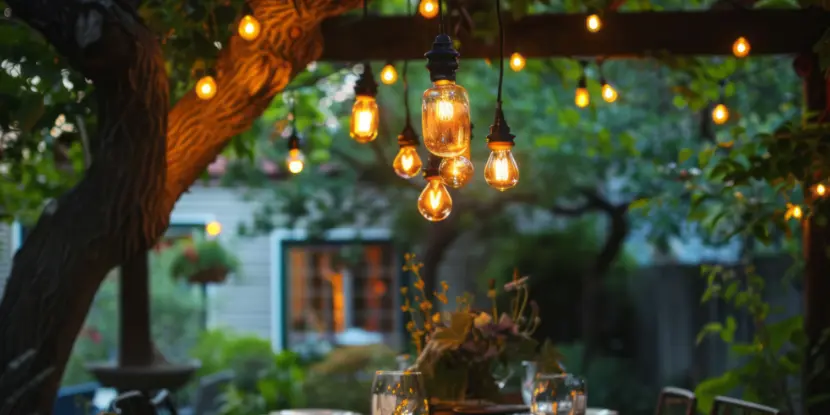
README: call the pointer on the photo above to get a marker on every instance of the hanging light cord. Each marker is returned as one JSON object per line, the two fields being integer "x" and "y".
{"x": 501, "y": 51}
{"x": 403, "y": 76}
{"x": 293, "y": 114}
{"x": 441, "y": 17}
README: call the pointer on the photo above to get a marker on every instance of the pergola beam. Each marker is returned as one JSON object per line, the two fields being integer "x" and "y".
{"x": 623, "y": 35}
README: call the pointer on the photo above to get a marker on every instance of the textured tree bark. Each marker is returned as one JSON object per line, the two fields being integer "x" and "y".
{"x": 144, "y": 160}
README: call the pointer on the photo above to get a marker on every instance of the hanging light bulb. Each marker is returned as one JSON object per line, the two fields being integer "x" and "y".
{"x": 428, "y": 8}
{"x": 213, "y": 228}
{"x": 388, "y": 75}
{"x": 456, "y": 172}
{"x": 206, "y": 87}
{"x": 593, "y": 23}
{"x": 582, "y": 98}
{"x": 720, "y": 114}
{"x": 365, "y": 119}
{"x": 295, "y": 160}
{"x": 501, "y": 171}
{"x": 609, "y": 94}
{"x": 445, "y": 114}
{"x": 517, "y": 62}
{"x": 407, "y": 163}
{"x": 820, "y": 190}
{"x": 741, "y": 47}
{"x": 793, "y": 212}
{"x": 249, "y": 28}
{"x": 434, "y": 203}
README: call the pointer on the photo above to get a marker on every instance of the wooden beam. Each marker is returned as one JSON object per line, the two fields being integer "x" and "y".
{"x": 623, "y": 35}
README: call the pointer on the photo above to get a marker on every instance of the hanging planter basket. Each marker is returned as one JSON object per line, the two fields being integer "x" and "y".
{"x": 213, "y": 275}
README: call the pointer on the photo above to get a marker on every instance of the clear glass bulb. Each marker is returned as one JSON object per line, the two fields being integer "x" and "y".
{"x": 428, "y": 8}
{"x": 445, "y": 119}
{"x": 517, "y": 62}
{"x": 407, "y": 163}
{"x": 435, "y": 203}
{"x": 388, "y": 75}
{"x": 206, "y": 88}
{"x": 249, "y": 28}
{"x": 456, "y": 172}
{"x": 501, "y": 171}
{"x": 740, "y": 48}
{"x": 582, "y": 98}
{"x": 609, "y": 94}
{"x": 295, "y": 160}
{"x": 364, "y": 123}
{"x": 720, "y": 114}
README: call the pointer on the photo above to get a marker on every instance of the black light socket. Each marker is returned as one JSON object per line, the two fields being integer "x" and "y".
{"x": 293, "y": 142}
{"x": 432, "y": 167}
{"x": 442, "y": 59}
{"x": 366, "y": 84}
{"x": 583, "y": 82}
{"x": 408, "y": 137}
{"x": 500, "y": 132}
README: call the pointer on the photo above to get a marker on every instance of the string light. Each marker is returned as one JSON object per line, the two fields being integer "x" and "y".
{"x": 501, "y": 171}
{"x": 593, "y": 23}
{"x": 741, "y": 47}
{"x": 249, "y": 28}
{"x": 434, "y": 203}
{"x": 388, "y": 75}
{"x": 445, "y": 115}
{"x": 363, "y": 127}
{"x": 581, "y": 97}
{"x": 793, "y": 212}
{"x": 609, "y": 94}
{"x": 820, "y": 190}
{"x": 720, "y": 114}
{"x": 456, "y": 172}
{"x": 407, "y": 162}
{"x": 213, "y": 228}
{"x": 206, "y": 87}
{"x": 295, "y": 160}
{"x": 428, "y": 9}
{"x": 517, "y": 62}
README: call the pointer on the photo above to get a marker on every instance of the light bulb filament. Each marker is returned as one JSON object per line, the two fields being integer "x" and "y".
{"x": 407, "y": 161}
{"x": 435, "y": 199}
{"x": 501, "y": 168}
{"x": 364, "y": 121}
{"x": 445, "y": 110}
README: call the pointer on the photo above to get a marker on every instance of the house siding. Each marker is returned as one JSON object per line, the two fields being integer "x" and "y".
{"x": 243, "y": 303}
{"x": 6, "y": 253}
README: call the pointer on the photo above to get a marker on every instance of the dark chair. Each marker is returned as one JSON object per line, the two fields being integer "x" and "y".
{"x": 676, "y": 401}
{"x": 163, "y": 402}
{"x": 210, "y": 396}
{"x": 76, "y": 399}
{"x": 730, "y": 406}
{"x": 133, "y": 403}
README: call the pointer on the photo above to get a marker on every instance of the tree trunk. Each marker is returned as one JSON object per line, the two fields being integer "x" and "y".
{"x": 123, "y": 203}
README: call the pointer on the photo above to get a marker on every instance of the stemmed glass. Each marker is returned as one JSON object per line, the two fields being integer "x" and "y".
{"x": 399, "y": 392}
{"x": 558, "y": 394}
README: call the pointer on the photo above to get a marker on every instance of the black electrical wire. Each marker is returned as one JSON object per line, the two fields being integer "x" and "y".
{"x": 501, "y": 50}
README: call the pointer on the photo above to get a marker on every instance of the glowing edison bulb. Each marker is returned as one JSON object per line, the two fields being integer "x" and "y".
{"x": 609, "y": 94}
{"x": 593, "y": 23}
{"x": 388, "y": 75}
{"x": 213, "y": 228}
{"x": 445, "y": 119}
{"x": 206, "y": 88}
{"x": 501, "y": 171}
{"x": 793, "y": 212}
{"x": 456, "y": 172}
{"x": 407, "y": 163}
{"x": 295, "y": 160}
{"x": 364, "y": 123}
{"x": 820, "y": 190}
{"x": 428, "y": 8}
{"x": 517, "y": 62}
{"x": 720, "y": 114}
{"x": 740, "y": 48}
{"x": 435, "y": 203}
{"x": 582, "y": 99}
{"x": 249, "y": 28}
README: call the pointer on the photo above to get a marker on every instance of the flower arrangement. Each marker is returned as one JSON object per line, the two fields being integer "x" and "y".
{"x": 457, "y": 350}
{"x": 202, "y": 261}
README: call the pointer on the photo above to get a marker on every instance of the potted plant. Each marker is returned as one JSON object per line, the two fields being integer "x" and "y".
{"x": 203, "y": 261}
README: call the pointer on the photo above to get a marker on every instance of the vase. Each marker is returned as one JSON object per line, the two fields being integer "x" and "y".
{"x": 446, "y": 381}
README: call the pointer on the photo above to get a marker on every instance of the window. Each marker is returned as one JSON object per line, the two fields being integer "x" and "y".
{"x": 344, "y": 291}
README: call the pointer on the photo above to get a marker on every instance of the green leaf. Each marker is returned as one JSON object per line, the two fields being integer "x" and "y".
{"x": 709, "y": 328}
{"x": 705, "y": 156}
{"x": 728, "y": 332}
{"x": 731, "y": 290}
{"x": 707, "y": 390}
{"x": 638, "y": 204}
{"x": 454, "y": 335}
{"x": 684, "y": 155}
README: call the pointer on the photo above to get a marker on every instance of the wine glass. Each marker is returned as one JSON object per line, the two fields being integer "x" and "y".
{"x": 399, "y": 392}
{"x": 502, "y": 373}
{"x": 558, "y": 394}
